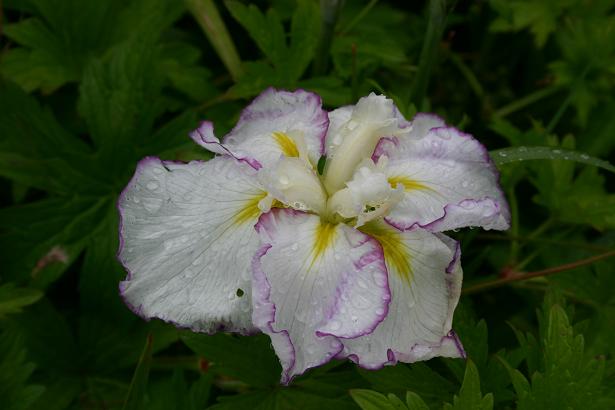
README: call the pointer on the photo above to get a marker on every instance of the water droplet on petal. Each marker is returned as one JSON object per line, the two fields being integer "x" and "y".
{"x": 335, "y": 325}
{"x": 294, "y": 246}
{"x": 152, "y": 185}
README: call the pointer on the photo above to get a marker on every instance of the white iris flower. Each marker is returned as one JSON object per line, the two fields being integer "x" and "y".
{"x": 347, "y": 264}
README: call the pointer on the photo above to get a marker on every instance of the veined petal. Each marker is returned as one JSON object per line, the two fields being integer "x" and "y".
{"x": 355, "y": 134}
{"x": 449, "y": 180}
{"x": 314, "y": 283}
{"x": 425, "y": 281}
{"x": 187, "y": 241}
{"x": 275, "y": 123}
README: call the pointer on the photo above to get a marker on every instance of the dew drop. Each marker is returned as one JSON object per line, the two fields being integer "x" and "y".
{"x": 152, "y": 185}
{"x": 465, "y": 184}
{"x": 557, "y": 151}
{"x": 380, "y": 311}
{"x": 380, "y": 279}
{"x": 503, "y": 154}
{"x": 157, "y": 171}
{"x": 294, "y": 247}
{"x": 335, "y": 325}
{"x": 283, "y": 179}
{"x": 585, "y": 156}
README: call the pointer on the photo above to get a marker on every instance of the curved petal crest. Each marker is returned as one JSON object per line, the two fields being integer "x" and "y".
{"x": 425, "y": 280}
{"x": 276, "y": 123}
{"x": 315, "y": 283}
{"x": 448, "y": 179}
{"x": 187, "y": 241}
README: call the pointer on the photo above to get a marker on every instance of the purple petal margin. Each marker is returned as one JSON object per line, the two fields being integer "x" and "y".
{"x": 376, "y": 255}
{"x": 500, "y": 206}
{"x": 451, "y": 336}
{"x": 249, "y": 114}
{"x": 205, "y": 137}
{"x": 263, "y": 312}
{"x": 138, "y": 310}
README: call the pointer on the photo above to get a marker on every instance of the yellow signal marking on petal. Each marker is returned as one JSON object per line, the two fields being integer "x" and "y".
{"x": 286, "y": 144}
{"x": 409, "y": 184}
{"x": 325, "y": 234}
{"x": 396, "y": 253}
{"x": 250, "y": 210}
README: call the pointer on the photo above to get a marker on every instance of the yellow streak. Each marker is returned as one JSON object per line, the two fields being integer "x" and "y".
{"x": 396, "y": 253}
{"x": 325, "y": 234}
{"x": 409, "y": 184}
{"x": 286, "y": 144}
{"x": 250, "y": 210}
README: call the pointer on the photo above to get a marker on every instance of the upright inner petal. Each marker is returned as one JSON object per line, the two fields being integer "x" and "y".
{"x": 293, "y": 182}
{"x": 372, "y": 118}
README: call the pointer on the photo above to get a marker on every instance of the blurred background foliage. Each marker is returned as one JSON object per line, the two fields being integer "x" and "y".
{"x": 89, "y": 87}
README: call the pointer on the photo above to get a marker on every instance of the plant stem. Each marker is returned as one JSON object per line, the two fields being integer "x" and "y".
{"x": 562, "y": 109}
{"x": 514, "y": 226}
{"x": 525, "y": 101}
{"x": 530, "y": 275}
{"x": 431, "y": 43}
{"x": 358, "y": 17}
{"x": 329, "y": 13}
{"x": 498, "y": 237}
{"x": 206, "y": 14}
{"x": 469, "y": 75}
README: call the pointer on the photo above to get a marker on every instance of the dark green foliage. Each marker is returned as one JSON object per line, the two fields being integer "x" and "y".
{"x": 87, "y": 88}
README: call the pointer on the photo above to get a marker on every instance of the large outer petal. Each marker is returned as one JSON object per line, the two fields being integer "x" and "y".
{"x": 187, "y": 241}
{"x": 272, "y": 111}
{"x": 453, "y": 182}
{"x": 418, "y": 326}
{"x": 313, "y": 288}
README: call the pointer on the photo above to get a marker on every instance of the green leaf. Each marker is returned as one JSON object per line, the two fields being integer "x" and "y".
{"x": 13, "y": 299}
{"x": 566, "y": 378}
{"x": 249, "y": 359}
{"x": 36, "y": 151}
{"x": 48, "y": 338}
{"x": 470, "y": 396}
{"x": 414, "y": 402}
{"x": 304, "y": 31}
{"x": 371, "y": 400}
{"x": 515, "y": 154}
{"x": 418, "y": 377}
{"x": 15, "y": 391}
{"x": 135, "y": 399}
{"x": 40, "y": 240}
{"x": 265, "y": 29}
{"x": 119, "y": 100}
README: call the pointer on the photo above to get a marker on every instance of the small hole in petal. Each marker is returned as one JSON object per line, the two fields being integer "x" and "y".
{"x": 239, "y": 292}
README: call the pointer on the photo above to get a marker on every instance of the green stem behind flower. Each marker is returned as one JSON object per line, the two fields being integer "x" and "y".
{"x": 431, "y": 43}
{"x": 206, "y": 14}
{"x": 329, "y": 13}
{"x": 525, "y": 101}
{"x": 494, "y": 283}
